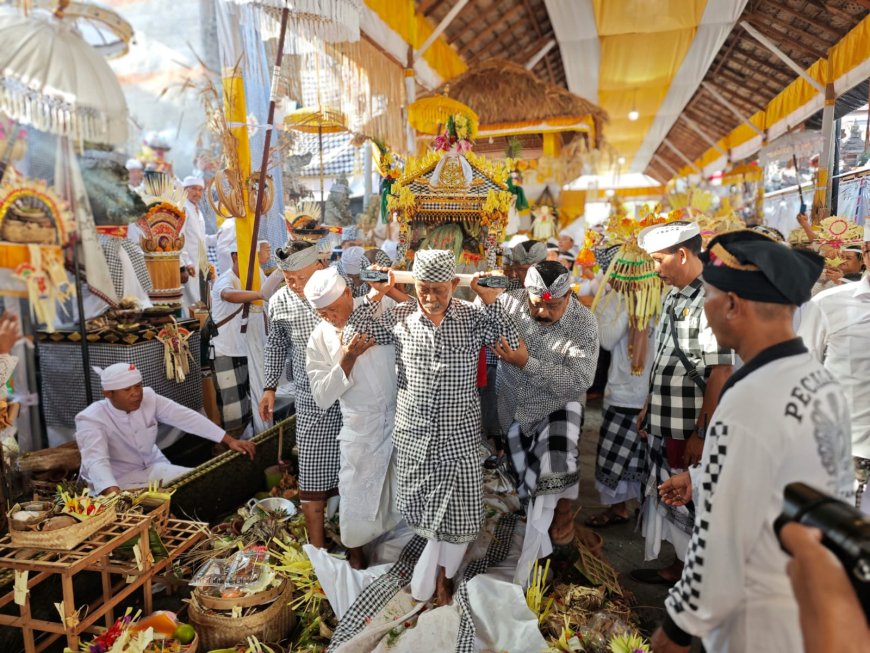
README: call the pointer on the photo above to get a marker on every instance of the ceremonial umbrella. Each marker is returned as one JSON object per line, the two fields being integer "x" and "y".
{"x": 103, "y": 29}
{"x": 429, "y": 114}
{"x": 317, "y": 121}
{"x": 52, "y": 79}
{"x": 328, "y": 20}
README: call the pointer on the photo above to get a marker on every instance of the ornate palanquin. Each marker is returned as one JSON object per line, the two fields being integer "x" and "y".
{"x": 453, "y": 200}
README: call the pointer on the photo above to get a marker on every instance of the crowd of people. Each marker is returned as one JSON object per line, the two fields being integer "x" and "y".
{"x": 746, "y": 383}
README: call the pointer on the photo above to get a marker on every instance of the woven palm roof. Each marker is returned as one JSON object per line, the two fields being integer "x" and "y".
{"x": 501, "y": 91}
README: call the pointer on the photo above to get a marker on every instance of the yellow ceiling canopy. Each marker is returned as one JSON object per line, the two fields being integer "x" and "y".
{"x": 640, "y": 60}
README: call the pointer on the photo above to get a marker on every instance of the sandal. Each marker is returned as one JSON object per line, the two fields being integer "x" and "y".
{"x": 605, "y": 519}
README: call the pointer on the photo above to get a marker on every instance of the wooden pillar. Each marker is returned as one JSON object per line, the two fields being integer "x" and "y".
{"x": 822, "y": 196}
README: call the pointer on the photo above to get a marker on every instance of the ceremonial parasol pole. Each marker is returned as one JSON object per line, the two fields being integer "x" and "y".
{"x": 261, "y": 186}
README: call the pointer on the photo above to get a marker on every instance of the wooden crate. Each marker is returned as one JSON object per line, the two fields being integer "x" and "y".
{"x": 119, "y": 579}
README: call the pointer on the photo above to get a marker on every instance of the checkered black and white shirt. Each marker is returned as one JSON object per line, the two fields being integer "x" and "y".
{"x": 561, "y": 366}
{"x": 437, "y": 432}
{"x": 675, "y": 399}
{"x": 292, "y": 319}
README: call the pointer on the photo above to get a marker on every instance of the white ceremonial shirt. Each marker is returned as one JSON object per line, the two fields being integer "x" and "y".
{"x": 781, "y": 419}
{"x": 230, "y": 340}
{"x": 368, "y": 411}
{"x": 119, "y": 448}
{"x": 623, "y": 389}
{"x": 194, "y": 234}
{"x": 836, "y": 328}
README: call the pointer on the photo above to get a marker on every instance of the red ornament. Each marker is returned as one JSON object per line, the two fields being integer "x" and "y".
{"x": 547, "y": 295}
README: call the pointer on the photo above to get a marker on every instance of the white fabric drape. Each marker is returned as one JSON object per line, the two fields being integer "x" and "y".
{"x": 574, "y": 25}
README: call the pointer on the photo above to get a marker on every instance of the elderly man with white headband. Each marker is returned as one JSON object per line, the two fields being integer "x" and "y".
{"x": 196, "y": 242}
{"x": 541, "y": 383}
{"x": 688, "y": 372}
{"x": 437, "y": 434}
{"x": 117, "y": 435}
{"x": 361, "y": 376}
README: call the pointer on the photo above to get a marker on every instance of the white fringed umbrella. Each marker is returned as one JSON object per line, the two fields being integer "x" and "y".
{"x": 326, "y": 20}
{"x": 52, "y": 79}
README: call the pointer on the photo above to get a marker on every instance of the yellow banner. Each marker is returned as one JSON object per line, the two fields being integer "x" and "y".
{"x": 235, "y": 110}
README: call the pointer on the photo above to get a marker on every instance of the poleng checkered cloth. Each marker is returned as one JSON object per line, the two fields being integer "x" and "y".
{"x": 621, "y": 455}
{"x": 291, "y": 321}
{"x": 434, "y": 265}
{"x": 675, "y": 400}
{"x": 438, "y": 412}
{"x": 233, "y": 392}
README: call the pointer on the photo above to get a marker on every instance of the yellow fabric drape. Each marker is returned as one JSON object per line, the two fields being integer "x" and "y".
{"x": 414, "y": 28}
{"x": 234, "y": 108}
{"x": 852, "y": 50}
{"x": 650, "y": 191}
{"x": 796, "y": 94}
{"x": 572, "y": 204}
{"x": 631, "y": 16}
{"x": 643, "y": 45}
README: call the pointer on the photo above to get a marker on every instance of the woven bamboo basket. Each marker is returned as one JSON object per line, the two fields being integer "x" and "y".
{"x": 191, "y": 648}
{"x": 272, "y": 623}
{"x": 63, "y": 539}
{"x": 66, "y": 456}
{"x": 260, "y": 598}
{"x": 164, "y": 268}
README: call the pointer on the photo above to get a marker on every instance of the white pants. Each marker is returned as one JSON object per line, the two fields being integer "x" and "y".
{"x": 164, "y": 472}
{"x": 436, "y": 554}
{"x": 539, "y": 518}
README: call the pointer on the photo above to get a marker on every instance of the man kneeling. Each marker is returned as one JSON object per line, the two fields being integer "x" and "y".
{"x": 117, "y": 436}
{"x": 362, "y": 378}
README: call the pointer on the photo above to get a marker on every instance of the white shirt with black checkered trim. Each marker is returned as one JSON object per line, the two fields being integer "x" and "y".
{"x": 561, "y": 365}
{"x": 675, "y": 400}
{"x": 784, "y": 419}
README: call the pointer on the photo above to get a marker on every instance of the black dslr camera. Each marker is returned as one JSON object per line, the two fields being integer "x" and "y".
{"x": 845, "y": 531}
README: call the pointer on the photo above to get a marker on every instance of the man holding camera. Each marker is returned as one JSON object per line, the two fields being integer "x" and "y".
{"x": 734, "y": 592}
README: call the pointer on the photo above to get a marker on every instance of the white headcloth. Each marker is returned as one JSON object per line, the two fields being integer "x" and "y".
{"x": 190, "y": 180}
{"x": 664, "y": 236}
{"x": 118, "y": 376}
{"x": 324, "y": 287}
{"x": 352, "y": 258}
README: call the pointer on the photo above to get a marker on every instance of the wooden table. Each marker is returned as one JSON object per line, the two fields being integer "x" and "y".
{"x": 119, "y": 578}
